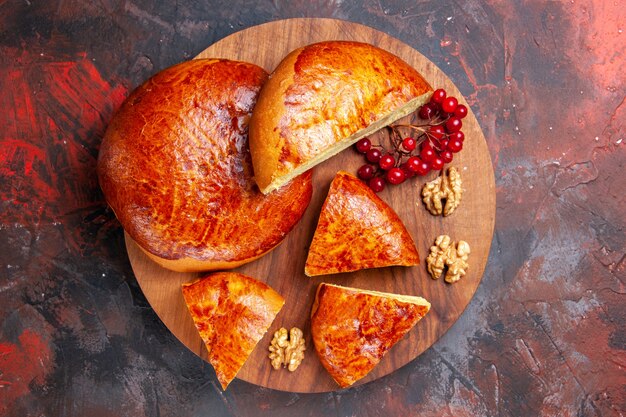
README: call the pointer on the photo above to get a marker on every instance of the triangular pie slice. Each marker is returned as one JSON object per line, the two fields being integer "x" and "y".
{"x": 357, "y": 230}
{"x": 352, "y": 329}
{"x": 232, "y": 312}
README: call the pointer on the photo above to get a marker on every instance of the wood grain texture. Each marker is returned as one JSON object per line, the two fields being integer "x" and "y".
{"x": 283, "y": 269}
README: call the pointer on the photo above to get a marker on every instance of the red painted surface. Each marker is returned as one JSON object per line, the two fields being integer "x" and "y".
{"x": 21, "y": 364}
{"x": 55, "y": 113}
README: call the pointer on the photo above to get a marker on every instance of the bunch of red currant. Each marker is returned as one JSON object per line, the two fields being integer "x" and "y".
{"x": 434, "y": 145}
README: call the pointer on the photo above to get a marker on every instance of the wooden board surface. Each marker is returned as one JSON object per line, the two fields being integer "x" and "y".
{"x": 283, "y": 268}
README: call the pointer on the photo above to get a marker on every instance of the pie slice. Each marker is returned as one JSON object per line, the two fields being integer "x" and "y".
{"x": 352, "y": 329}
{"x": 232, "y": 312}
{"x": 357, "y": 230}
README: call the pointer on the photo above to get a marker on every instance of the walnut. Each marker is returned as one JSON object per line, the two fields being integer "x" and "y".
{"x": 445, "y": 254}
{"x": 445, "y": 188}
{"x": 287, "y": 352}
{"x": 436, "y": 260}
{"x": 457, "y": 265}
{"x": 277, "y": 348}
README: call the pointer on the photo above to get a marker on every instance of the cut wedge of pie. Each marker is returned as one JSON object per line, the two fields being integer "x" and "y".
{"x": 232, "y": 312}
{"x": 357, "y": 230}
{"x": 352, "y": 329}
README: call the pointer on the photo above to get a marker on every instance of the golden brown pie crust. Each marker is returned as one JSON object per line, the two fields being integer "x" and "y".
{"x": 175, "y": 167}
{"x": 232, "y": 312}
{"x": 352, "y": 330}
{"x": 357, "y": 230}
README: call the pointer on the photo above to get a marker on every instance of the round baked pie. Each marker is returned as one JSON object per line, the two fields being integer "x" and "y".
{"x": 324, "y": 97}
{"x": 175, "y": 167}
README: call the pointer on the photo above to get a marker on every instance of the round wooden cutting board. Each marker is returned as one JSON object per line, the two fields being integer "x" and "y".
{"x": 283, "y": 268}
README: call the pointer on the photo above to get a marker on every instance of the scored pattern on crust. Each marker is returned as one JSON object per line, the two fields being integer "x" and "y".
{"x": 352, "y": 330}
{"x": 232, "y": 312}
{"x": 357, "y": 230}
{"x": 175, "y": 167}
{"x": 323, "y": 97}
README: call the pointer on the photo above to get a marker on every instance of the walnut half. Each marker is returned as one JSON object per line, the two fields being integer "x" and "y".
{"x": 446, "y": 254}
{"x": 443, "y": 194}
{"x": 285, "y": 351}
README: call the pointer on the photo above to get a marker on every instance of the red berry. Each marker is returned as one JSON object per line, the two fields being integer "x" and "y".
{"x": 407, "y": 171}
{"x": 455, "y": 145}
{"x": 443, "y": 144}
{"x": 413, "y": 163}
{"x": 437, "y": 163}
{"x": 373, "y": 155}
{"x": 454, "y": 124}
{"x": 460, "y": 111}
{"x": 460, "y": 136}
{"x": 365, "y": 172}
{"x": 446, "y": 155}
{"x": 438, "y": 96}
{"x": 395, "y": 176}
{"x": 427, "y": 153}
{"x": 436, "y": 131}
{"x": 449, "y": 104}
{"x": 387, "y": 162}
{"x": 409, "y": 144}
{"x": 427, "y": 111}
{"x": 423, "y": 168}
{"x": 363, "y": 145}
{"x": 377, "y": 184}
{"x": 418, "y": 166}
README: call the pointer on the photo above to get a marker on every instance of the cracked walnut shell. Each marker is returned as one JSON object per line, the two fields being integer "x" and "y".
{"x": 443, "y": 194}
{"x": 285, "y": 351}
{"x": 446, "y": 254}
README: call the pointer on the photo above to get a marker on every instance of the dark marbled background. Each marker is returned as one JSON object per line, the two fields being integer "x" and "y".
{"x": 546, "y": 332}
